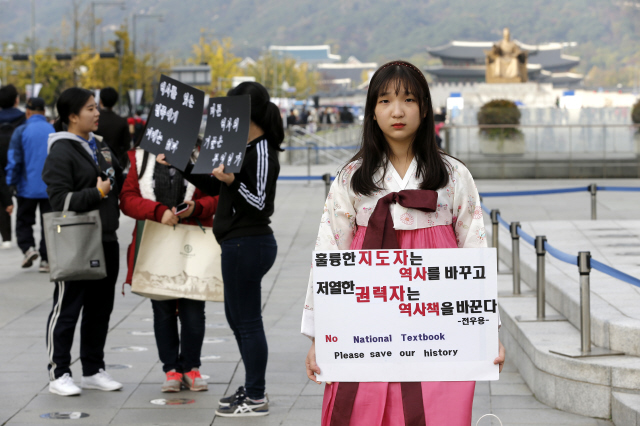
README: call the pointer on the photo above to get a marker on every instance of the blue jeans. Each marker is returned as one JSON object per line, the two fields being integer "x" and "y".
{"x": 245, "y": 261}
{"x": 180, "y": 352}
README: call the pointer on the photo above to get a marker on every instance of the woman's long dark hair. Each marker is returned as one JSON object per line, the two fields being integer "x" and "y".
{"x": 374, "y": 150}
{"x": 71, "y": 101}
{"x": 264, "y": 113}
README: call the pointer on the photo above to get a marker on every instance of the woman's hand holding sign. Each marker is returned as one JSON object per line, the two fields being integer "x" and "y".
{"x": 219, "y": 174}
{"x": 310, "y": 362}
{"x": 162, "y": 159}
{"x": 501, "y": 356}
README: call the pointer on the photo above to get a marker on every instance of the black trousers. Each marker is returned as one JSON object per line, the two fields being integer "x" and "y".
{"x": 245, "y": 261}
{"x": 179, "y": 351}
{"x": 26, "y": 219}
{"x": 95, "y": 299}
{"x": 5, "y": 225}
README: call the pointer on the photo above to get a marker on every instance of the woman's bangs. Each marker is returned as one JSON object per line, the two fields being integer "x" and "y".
{"x": 400, "y": 80}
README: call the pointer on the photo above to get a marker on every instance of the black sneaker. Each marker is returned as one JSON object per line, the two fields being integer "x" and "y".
{"x": 244, "y": 407}
{"x": 228, "y": 400}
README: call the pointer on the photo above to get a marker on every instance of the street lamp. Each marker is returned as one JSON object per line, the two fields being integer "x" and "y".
{"x": 33, "y": 46}
{"x": 160, "y": 18}
{"x": 93, "y": 16}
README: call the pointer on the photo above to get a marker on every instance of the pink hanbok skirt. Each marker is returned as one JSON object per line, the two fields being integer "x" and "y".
{"x": 380, "y": 404}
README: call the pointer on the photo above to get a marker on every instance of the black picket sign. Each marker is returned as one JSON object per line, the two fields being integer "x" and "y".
{"x": 174, "y": 122}
{"x": 225, "y": 136}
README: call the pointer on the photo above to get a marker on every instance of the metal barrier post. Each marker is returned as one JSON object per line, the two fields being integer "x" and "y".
{"x": 494, "y": 234}
{"x": 447, "y": 140}
{"x": 327, "y": 183}
{"x": 515, "y": 260}
{"x": 540, "y": 275}
{"x": 584, "y": 267}
{"x": 541, "y": 282}
{"x": 593, "y": 189}
{"x": 309, "y": 163}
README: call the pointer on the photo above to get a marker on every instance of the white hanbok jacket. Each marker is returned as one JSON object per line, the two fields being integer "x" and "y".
{"x": 458, "y": 206}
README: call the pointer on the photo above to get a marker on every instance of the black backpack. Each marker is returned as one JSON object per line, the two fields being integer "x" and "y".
{"x": 138, "y": 130}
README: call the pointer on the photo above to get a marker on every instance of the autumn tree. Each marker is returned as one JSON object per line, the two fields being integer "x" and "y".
{"x": 272, "y": 71}
{"x": 224, "y": 64}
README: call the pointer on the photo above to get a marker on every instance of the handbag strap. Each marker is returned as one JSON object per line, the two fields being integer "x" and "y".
{"x": 143, "y": 166}
{"x": 67, "y": 202}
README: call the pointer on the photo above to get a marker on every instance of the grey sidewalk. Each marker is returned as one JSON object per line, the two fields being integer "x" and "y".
{"x": 26, "y": 301}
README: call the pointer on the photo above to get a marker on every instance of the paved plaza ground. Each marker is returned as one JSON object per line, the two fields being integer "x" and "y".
{"x": 132, "y": 357}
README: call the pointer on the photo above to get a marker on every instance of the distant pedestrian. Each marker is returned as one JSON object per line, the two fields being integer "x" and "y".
{"x": 26, "y": 157}
{"x": 346, "y": 116}
{"x": 152, "y": 191}
{"x": 439, "y": 120}
{"x": 136, "y": 125}
{"x": 10, "y": 118}
{"x": 113, "y": 128}
{"x": 76, "y": 164}
{"x": 292, "y": 120}
{"x": 303, "y": 119}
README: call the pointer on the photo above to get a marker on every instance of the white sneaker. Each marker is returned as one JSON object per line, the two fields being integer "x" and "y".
{"x": 101, "y": 381}
{"x": 29, "y": 257}
{"x": 6, "y": 245}
{"x": 64, "y": 386}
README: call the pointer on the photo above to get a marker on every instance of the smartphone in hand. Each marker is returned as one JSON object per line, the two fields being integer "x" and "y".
{"x": 181, "y": 208}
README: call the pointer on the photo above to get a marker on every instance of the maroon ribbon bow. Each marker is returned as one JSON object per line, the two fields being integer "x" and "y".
{"x": 380, "y": 233}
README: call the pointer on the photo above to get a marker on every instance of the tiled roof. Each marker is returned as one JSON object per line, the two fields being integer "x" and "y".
{"x": 549, "y": 55}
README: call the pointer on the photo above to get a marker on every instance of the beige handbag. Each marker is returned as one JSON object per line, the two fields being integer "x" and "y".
{"x": 174, "y": 262}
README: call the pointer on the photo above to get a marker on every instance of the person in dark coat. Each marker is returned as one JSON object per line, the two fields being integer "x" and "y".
{"x": 346, "y": 117}
{"x": 113, "y": 128}
{"x": 80, "y": 164}
{"x": 10, "y": 118}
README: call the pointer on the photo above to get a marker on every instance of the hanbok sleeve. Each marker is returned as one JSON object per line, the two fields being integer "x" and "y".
{"x": 467, "y": 212}
{"x": 469, "y": 224}
{"x": 337, "y": 229}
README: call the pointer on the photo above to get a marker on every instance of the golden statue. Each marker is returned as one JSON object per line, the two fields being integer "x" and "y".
{"x": 506, "y": 62}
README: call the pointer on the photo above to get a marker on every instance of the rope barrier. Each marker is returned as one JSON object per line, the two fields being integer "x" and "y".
{"x": 568, "y": 258}
{"x": 599, "y": 266}
{"x": 300, "y": 178}
{"x": 560, "y": 255}
{"x": 503, "y": 222}
{"x": 528, "y": 238}
{"x": 619, "y": 188}
{"x": 536, "y": 192}
{"x": 559, "y": 191}
{"x": 319, "y": 148}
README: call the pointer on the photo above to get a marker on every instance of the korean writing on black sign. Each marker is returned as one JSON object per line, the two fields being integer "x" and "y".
{"x": 174, "y": 121}
{"x": 225, "y": 136}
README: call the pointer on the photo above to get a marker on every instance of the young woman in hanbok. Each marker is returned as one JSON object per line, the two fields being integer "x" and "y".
{"x": 398, "y": 191}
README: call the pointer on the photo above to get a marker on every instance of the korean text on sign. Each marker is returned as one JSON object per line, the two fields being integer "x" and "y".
{"x": 406, "y": 315}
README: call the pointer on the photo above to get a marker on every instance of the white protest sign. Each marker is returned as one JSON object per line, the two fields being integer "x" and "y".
{"x": 406, "y": 315}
